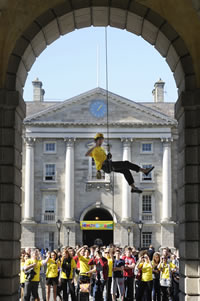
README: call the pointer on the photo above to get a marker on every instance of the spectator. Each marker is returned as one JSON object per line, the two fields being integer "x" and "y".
{"x": 128, "y": 274}
{"x": 146, "y": 283}
{"x": 156, "y": 277}
{"x": 117, "y": 278}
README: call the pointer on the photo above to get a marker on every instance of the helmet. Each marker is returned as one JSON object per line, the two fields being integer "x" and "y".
{"x": 98, "y": 135}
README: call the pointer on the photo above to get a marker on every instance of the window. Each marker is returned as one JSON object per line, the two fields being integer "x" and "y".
{"x": 149, "y": 177}
{"x": 147, "y": 147}
{"x": 50, "y": 147}
{"x": 50, "y": 172}
{"x": 147, "y": 207}
{"x": 146, "y": 203}
{"x": 49, "y": 201}
{"x": 146, "y": 239}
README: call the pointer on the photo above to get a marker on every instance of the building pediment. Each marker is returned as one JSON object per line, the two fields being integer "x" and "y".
{"x": 91, "y": 109}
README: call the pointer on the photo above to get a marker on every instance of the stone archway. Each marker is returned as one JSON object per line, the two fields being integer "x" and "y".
{"x": 133, "y": 17}
{"x": 57, "y": 17}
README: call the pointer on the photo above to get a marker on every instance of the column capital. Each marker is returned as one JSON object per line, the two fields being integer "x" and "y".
{"x": 29, "y": 140}
{"x": 69, "y": 141}
{"x": 126, "y": 141}
{"x": 167, "y": 140}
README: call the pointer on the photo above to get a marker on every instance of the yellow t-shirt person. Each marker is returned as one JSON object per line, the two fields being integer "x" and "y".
{"x": 99, "y": 156}
{"x": 165, "y": 269}
{"x": 52, "y": 268}
{"x": 147, "y": 271}
{"x": 36, "y": 268}
{"x": 84, "y": 266}
{"x": 73, "y": 266}
{"x": 110, "y": 266}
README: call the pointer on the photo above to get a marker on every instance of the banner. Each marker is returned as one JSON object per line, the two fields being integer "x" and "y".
{"x": 96, "y": 225}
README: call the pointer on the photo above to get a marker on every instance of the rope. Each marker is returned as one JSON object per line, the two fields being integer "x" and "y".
{"x": 108, "y": 139}
{"x": 106, "y": 54}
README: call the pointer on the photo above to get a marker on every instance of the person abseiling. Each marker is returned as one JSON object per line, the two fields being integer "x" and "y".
{"x": 104, "y": 162}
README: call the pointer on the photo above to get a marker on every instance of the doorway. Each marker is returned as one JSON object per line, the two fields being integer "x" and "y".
{"x": 98, "y": 237}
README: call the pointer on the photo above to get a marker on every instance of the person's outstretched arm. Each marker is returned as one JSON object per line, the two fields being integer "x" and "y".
{"x": 90, "y": 150}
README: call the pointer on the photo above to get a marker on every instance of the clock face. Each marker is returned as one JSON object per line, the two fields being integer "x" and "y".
{"x": 98, "y": 108}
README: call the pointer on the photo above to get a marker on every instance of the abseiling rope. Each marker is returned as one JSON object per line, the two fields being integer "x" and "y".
{"x": 106, "y": 54}
{"x": 108, "y": 139}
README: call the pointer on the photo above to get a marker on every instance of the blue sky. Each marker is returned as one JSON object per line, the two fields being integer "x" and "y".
{"x": 68, "y": 66}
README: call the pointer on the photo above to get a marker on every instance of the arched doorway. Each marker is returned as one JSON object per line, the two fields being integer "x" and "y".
{"x": 98, "y": 237}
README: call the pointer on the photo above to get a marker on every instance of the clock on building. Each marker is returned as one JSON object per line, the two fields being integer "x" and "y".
{"x": 98, "y": 108}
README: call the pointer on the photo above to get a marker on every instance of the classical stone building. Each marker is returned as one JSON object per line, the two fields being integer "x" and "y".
{"x": 26, "y": 29}
{"x": 60, "y": 182}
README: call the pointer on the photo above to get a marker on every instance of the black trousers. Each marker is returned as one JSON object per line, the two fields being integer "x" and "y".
{"x": 124, "y": 167}
{"x": 68, "y": 288}
{"x": 31, "y": 287}
{"x": 156, "y": 289}
{"x": 144, "y": 288}
{"x": 108, "y": 289}
{"x": 128, "y": 286}
{"x": 165, "y": 293}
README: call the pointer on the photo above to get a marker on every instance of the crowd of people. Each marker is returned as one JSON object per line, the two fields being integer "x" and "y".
{"x": 105, "y": 273}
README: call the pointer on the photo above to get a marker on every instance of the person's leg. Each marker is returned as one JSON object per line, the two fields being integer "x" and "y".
{"x": 119, "y": 165}
{"x": 149, "y": 285}
{"x": 120, "y": 285}
{"x": 54, "y": 292}
{"x": 113, "y": 289}
{"x": 129, "y": 288}
{"x": 27, "y": 291}
{"x": 72, "y": 290}
{"x": 35, "y": 289}
{"x": 140, "y": 289}
{"x": 64, "y": 289}
{"x": 108, "y": 289}
{"x": 122, "y": 167}
{"x": 48, "y": 287}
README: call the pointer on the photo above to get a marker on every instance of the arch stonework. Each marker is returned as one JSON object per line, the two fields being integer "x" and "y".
{"x": 133, "y": 17}
{"x": 26, "y": 29}
{"x": 88, "y": 209}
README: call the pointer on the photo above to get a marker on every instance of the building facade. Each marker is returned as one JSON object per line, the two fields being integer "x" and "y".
{"x": 60, "y": 184}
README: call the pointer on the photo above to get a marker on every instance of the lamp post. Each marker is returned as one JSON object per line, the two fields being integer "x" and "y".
{"x": 59, "y": 225}
{"x": 140, "y": 226}
{"x": 68, "y": 231}
{"x": 129, "y": 231}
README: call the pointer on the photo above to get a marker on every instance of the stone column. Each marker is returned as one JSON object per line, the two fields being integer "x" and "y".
{"x": 12, "y": 113}
{"x": 29, "y": 180}
{"x": 187, "y": 114}
{"x": 126, "y": 191}
{"x": 166, "y": 179}
{"x": 69, "y": 180}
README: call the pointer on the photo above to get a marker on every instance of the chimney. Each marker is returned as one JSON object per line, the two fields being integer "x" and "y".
{"x": 38, "y": 92}
{"x": 158, "y": 91}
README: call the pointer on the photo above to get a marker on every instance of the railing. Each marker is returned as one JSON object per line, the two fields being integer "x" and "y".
{"x": 147, "y": 217}
{"x": 49, "y": 217}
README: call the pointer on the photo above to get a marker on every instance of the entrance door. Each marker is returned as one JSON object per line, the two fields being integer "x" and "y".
{"x": 98, "y": 237}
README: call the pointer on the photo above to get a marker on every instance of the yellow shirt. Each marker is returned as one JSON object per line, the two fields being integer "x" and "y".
{"x": 147, "y": 271}
{"x": 73, "y": 266}
{"x": 99, "y": 156}
{"x": 84, "y": 266}
{"x": 110, "y": 266}
{"x": 165, "y": 270}
{"x": 36, "y": 268}
{"x": 22, "y": 274}
{"x": 52, "y": 268}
